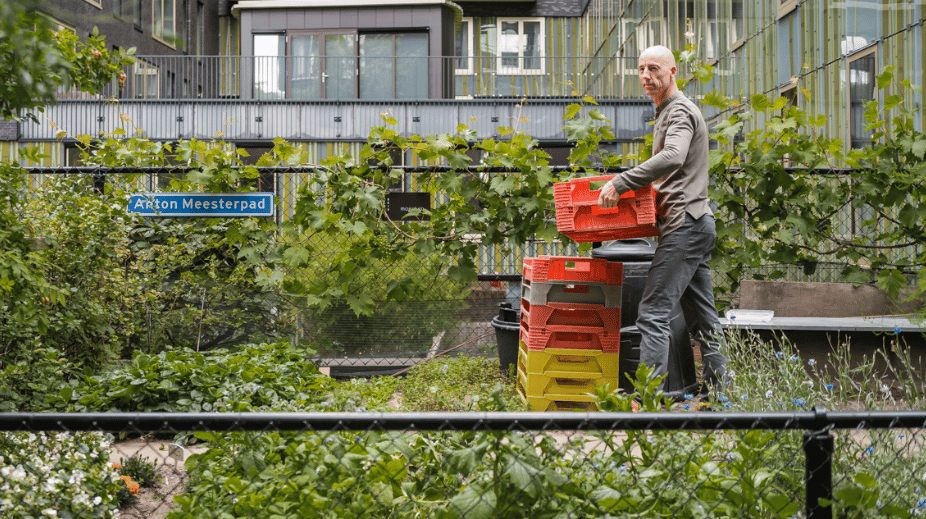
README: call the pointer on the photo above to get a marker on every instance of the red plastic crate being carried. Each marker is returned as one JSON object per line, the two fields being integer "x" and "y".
{"x": 579, "y": 216}
{"x": 570, "y": 326}
{"x": 544, "y": 269}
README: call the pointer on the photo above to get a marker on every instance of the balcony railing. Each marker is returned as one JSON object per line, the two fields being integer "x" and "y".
{"x": 372, "y": 77}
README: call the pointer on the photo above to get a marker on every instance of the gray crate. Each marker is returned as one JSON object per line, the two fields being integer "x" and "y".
{"x": 572, "y": 293}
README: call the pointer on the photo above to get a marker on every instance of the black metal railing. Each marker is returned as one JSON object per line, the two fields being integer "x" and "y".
{"x": 834, "y": 445}
{"x": 268, "y": 78}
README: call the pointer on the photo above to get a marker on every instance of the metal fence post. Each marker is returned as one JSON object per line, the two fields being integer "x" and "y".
{"x": 818, "y": 473}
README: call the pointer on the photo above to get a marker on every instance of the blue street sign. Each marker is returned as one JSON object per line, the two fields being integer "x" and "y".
{"x": 172, "y": 205}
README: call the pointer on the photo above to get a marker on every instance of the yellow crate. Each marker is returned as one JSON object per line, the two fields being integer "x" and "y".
{"x": 567, "y": 362}
{"x": 536, "y": 384}
{"x": 558, "y": 402}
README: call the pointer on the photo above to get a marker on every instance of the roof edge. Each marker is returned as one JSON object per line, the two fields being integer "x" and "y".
{"x": 296, "y": 4}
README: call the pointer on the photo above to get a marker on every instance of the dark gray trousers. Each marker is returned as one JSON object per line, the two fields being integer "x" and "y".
{"x": 680, "y": 274}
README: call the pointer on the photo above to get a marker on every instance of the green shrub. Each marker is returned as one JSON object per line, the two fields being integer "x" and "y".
{"x": 411, "y": 300}
{"x": 140, "y": 469}
{"x": 255, "y": 377}
{"x": 463, "y": 383}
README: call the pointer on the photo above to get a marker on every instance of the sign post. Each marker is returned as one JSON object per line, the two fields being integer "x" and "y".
{"x": 214, "y": 205}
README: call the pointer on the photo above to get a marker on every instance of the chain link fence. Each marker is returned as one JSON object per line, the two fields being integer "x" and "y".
{"x": 573, "y": 465}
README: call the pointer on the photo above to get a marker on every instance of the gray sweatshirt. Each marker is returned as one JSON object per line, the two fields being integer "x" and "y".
{"x": 678, "y": 167}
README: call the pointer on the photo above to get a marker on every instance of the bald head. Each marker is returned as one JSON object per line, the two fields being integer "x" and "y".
{"x": 657, "y": 73}
{"x": 661, "y": 53}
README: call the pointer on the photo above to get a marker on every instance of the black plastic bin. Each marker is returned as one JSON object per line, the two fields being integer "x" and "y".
{"x": 507, "y": 333}
{"x": 637, "y": 256}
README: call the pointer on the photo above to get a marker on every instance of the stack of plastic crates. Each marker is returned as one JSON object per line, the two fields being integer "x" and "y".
{"x": 570, "y": 330}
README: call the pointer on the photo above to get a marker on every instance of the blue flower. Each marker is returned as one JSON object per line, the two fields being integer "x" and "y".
{"x": 686, "y": 407}
{"x": 922, "y": 502}
{"x": 727, "y": 405}
{"x": 869, "y": 450}
{"x": 800, "y": 402}
{"x": 811, "y": 362}
{"x": 794, "y": 358}
{"x": 722, "y": 398}
{"x": 779, "y": 354}
{"x": 897, "y": 330}
{"x": 687, "y": 396}
{"x": 829, "y": 386}
{"x": 744, "y": 397}
{"x": 768, "y": 394}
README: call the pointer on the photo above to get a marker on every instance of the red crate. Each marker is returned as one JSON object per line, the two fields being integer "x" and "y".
{"x": 570, "y": 326}
{"x": 543, "y": 339}
{"x": 544, "y": 269}
{"x": 579, "y": 216}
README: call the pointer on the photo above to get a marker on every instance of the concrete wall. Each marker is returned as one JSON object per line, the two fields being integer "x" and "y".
{"x": 795, "y": 299}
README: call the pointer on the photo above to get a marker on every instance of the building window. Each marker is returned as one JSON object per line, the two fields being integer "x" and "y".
{"x": 863, "y": 25}
{"x": 520, "y": 46}
{"x": 183, "y": 26}
{"x": 163, "y": 16}
{"x": 128, "y": 10}
{"x": 712, "y": 32}
{"x": 54, "y": 24}
{"x": 862, "y": 88}
{"x": 463, "y": 51}
{"x": 145, "y": 80}
{"x": 737, "y": 25}
{"x": 323, "y": 65}
{"x": 345, "y": 65}
{"x": 269, "y": 66}
{"x": 171, "y": 80}
{"x": 790, "y": 93}
{"x": 394, "y": 66}
{"x": 200, "y": 27}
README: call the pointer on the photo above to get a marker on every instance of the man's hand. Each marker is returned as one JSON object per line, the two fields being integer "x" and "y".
{"x": 608, "y": 197}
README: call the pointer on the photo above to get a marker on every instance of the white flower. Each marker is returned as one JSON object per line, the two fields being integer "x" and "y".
{"x": 19, "y": 473}
{"x": 50, "y": 512}
{"x": 49, "y": 485}
{"x": 97, "y": 500}
{"x": 769, "y": 393}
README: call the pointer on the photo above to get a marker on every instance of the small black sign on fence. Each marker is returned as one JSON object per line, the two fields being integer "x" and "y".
{"x": 399, "y": 203}
{"x": 9, "y": 130}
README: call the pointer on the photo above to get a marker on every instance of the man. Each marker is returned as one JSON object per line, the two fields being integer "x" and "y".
{"x": 679, "y": 272}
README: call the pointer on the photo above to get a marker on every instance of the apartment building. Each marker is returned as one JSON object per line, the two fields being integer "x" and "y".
{"x": 320, "y": 73}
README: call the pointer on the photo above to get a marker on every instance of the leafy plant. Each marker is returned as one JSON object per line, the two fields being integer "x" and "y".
{"x": 459, "y": 384}
{"x": 269, "y": 376}
{"x": 140, "y": 469}
{"x": 778, "y": 210}
{"x": 35, "y": 60}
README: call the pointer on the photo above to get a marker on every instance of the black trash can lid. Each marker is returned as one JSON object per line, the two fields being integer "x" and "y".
{"x": 497, "y": 323}
{"x": 636, "y": 249}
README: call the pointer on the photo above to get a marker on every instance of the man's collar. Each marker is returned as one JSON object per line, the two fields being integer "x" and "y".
{"x": 668, "y": 100}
